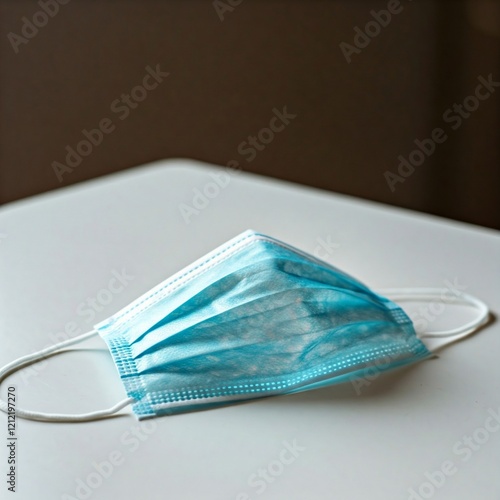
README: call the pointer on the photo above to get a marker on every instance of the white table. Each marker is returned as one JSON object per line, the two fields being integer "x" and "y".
{"x": 58, "y": 256}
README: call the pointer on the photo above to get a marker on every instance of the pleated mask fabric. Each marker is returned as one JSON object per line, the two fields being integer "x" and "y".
{"x": 254, "y": 318}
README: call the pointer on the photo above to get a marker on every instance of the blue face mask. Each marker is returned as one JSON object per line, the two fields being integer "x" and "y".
{"x": 254, "y": 318}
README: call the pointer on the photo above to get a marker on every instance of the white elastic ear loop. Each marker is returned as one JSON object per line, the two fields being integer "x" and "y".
{"x": 445, "y": 337}
{"x": 55, "y": 417}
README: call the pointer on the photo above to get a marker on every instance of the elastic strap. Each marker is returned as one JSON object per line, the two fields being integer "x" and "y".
{"x": 440, "y": 339}
{"x": 55, "y": 417}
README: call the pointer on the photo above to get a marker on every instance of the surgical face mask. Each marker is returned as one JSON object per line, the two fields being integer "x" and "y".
{"x": 254, "y": 318}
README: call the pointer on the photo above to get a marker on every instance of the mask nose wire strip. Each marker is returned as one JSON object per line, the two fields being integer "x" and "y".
{"x": 443, "y": 295}
{"x": 55, "y": 417}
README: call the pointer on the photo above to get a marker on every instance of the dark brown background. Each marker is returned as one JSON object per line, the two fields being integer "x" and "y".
{"x": 226, "y": 77}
